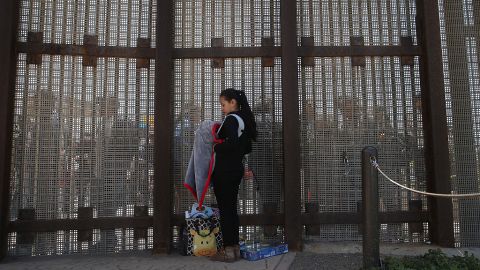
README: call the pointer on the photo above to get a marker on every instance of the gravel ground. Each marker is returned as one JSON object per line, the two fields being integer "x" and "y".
{"x": 310, "y": 261}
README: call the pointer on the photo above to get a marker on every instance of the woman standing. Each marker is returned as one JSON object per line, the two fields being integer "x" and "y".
{"x": 238, "y": 130}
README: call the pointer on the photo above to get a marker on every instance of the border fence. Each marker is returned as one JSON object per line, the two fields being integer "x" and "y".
{"x": 101, "y": 100}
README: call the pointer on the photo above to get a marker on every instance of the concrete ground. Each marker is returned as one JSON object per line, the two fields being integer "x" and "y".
{"x": 142, "y": 261}
{"x": 323, "y": 255}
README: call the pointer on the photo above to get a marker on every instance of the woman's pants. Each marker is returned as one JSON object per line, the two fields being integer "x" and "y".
{"x": 225, "y": 185}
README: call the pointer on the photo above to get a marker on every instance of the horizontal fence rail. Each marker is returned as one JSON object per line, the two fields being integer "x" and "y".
{"x": 177, "y": 220}
{"x": 223, "y": 52}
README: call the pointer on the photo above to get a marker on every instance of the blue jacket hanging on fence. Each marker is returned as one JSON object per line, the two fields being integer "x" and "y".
{"x": 202, "y": 160}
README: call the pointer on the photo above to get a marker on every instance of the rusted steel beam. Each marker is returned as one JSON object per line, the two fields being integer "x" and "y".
{"x": 26, "y": 214}
{"x": 415, "y": 206}
{"x": 268, "y": 42}
{"x": 144, "y": 52}
{"x": 34, "y": 39}
{"x": 91, "y": 44}
{"x": 407, "y": 60}
{"x": 358, "y": 42}
{"x": 291, "y": 125}
{"x": 330, "y": 218}
{"x": 176, "y": 220}
{"x": 437, "y": 160}
{"x": 304, "y": 51}
{"x": 245, "y": 220}
{"x": 82, "y": 224}
{"x": 370, "y": 226}
{"x": 404, "y": 217}
{"x": 84, "y": 50}
{"x": 8, "y": 59}
{"x": 218, "y": 62}
{"x": 163, "y": 182}
{"x": 355, "y": 218}
{"x": 86, "y": 224}
{"x": 85, "y": 213}
{"x": 223, "y": 52}
{"x": 227, "y": 52}
{"x": 140, "y": 211}
{"x": 345, "y": 51}
{"x": 307, "y": 46}
{"x": 143, "y": 43}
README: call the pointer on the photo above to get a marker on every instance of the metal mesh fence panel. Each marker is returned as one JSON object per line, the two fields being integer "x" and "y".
{"x": 334, "y": 22}
{"x": 241, "y": 23}
{"x": 198, "y": 83}
{"x": 116, "y": 22}
{"x": 345, "y": 107}
{"x": 65, "y": 242}
{"x": 460, "y": 28}
{"x": 196, "y": 98}
{"x": 83, "y": 133}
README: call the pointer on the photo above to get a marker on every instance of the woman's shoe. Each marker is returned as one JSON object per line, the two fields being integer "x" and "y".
{"x": 226, "y": 254}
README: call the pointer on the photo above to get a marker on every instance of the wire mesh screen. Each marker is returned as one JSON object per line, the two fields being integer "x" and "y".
{"x": 83, "y": 133}
{"x": 241, "y": 23}
{"x": 460, "y": 28}
{"x": 344, "y": 109}
{"x": 198, "y": 83}
{"x": 116, "y": 22}
{"x": 196, "y": 98}
{"x": 345, "y": 106}
{"x": 334, "y": 22}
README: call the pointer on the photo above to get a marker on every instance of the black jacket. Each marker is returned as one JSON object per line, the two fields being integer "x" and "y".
{"x": 230, "y": 153}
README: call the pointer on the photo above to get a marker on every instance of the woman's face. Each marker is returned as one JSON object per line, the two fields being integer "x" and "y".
{"x": 228, "y": 106}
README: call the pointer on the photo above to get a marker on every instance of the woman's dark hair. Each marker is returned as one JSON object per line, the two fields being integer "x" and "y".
{"x": 245, "y": 110}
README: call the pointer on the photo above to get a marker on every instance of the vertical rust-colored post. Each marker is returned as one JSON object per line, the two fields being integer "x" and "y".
{"x": 8, "y": 60}
{"x": 437, "y": 160}
{"x": 162, "y": 198}
{"x": 370, "y": 221}
{"x": 291, "y": 124}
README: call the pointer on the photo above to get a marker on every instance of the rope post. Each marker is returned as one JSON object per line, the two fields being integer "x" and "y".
{"x": 370, "y": 222}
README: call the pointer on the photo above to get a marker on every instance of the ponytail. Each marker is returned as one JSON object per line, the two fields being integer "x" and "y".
{"x": 245, "y": 110}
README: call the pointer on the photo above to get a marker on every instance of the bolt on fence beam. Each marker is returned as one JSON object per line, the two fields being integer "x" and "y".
{"x": 371, "y": 233}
